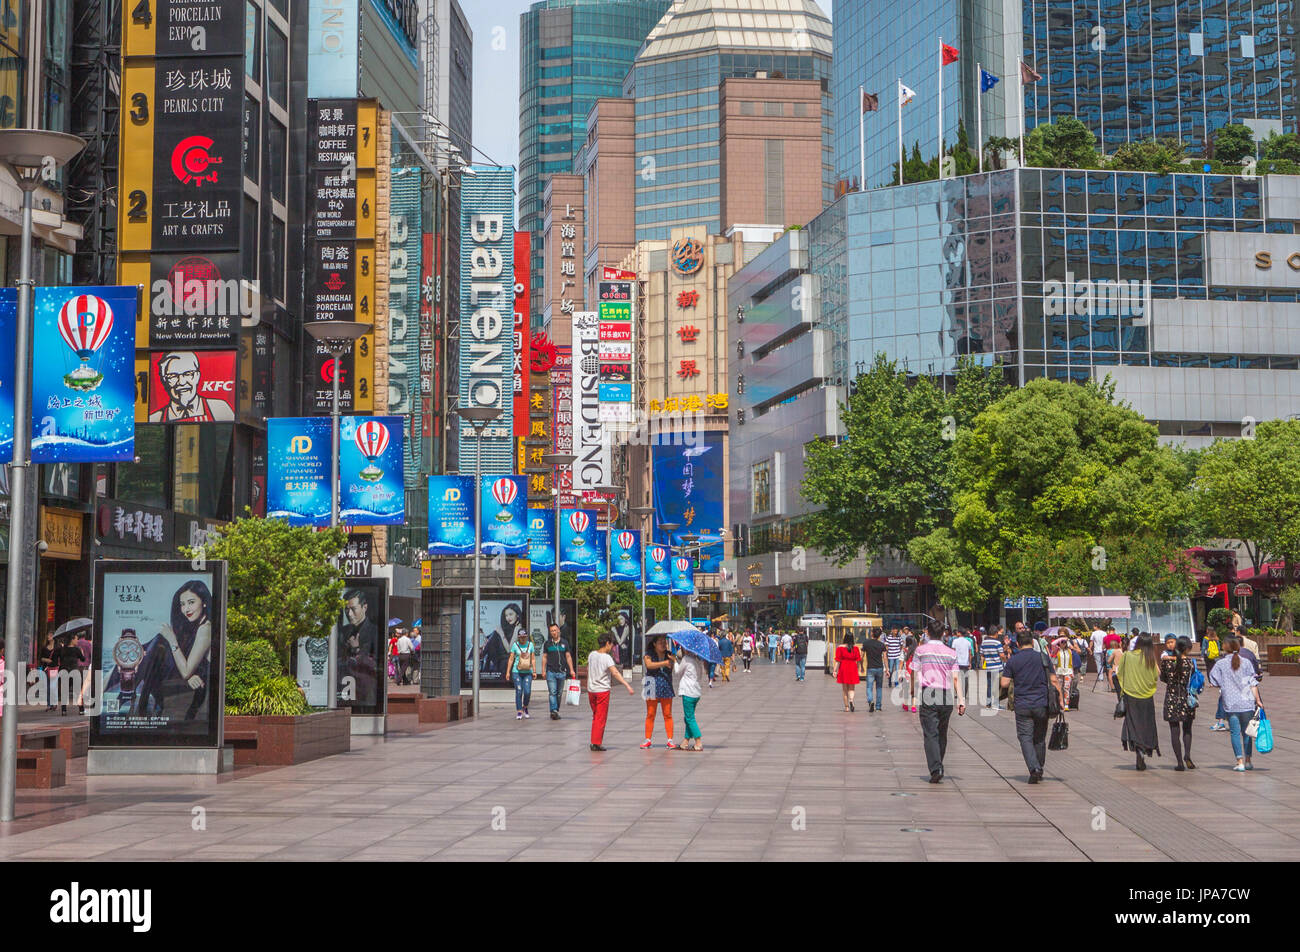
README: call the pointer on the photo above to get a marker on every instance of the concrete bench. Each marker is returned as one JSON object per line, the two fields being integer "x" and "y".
{"x": 42, "y": 769}
{"x": 440, "y": 710}
{"x": 38, "y": 738}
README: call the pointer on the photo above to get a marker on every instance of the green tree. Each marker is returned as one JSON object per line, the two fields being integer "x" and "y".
{"x": 1286, "y": 146}
{"x": 1233, "y": 143}
{"x": 283, "y": 583}
{"x": 1149, "y": 155}
{"x": 997, "y": 148}
{"x": 1064, "y": 144}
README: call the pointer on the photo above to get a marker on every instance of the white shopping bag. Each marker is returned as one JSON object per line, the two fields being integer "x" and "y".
{"x": 573, "y": 693}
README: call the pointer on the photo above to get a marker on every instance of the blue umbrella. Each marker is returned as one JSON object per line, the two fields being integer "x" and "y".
{"x": 393, "y": 622}
{"x": 689, "y": 637}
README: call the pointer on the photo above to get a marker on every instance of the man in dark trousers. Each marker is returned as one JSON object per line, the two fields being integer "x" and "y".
{"x": 941, "y": 690}
{"x": 1033, "y": 679}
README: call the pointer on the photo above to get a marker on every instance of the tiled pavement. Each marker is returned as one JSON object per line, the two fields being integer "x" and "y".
{"x": 785, "y": 776}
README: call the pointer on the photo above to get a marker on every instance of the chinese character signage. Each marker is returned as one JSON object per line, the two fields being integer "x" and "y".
{"x": 616, "y": 323}
{"x": 83, "y": 374}
{"x": 298, "y": 462}
{"x": 579, "y": 547}
{"x": 451, "y": 515}
{"x": 159, "y": 645}
{"x": 357, "y": 556}
{"x": 541, "y": 539}
{"x": 372, "y": 486}
{"x": 658, "y": 581}
{"x": 176, "y": 25}
{"x": 625, "y": 555}
{"x": 688, "y": 488}
{"x": 504, "y": 508}
{"x": 591, "y": 442}
{"x": 562, "y": 417}
{"x": 521, "y": 331}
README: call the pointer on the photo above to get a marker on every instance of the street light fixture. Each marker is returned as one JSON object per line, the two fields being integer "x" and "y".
{"x": 669, "y": 528}
{"x": 478, "y": 418}
{"x": 557, "y": 462}
{"x": 27, "y": 154}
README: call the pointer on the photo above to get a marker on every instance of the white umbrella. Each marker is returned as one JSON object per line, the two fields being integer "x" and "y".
{"x": 70, "y": 626}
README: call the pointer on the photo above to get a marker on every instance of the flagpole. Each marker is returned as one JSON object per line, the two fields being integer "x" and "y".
{"x": 939, "y": 73}
{"x": 979, "y": 114}
{"x": 898, "y": 96}
{"x": 1020, "y": 79}
{"x": 862, "y": 136}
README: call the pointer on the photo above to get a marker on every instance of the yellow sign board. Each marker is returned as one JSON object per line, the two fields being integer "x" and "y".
{"x": 61, "y": 532}
{"x": 523, "y": 573}
{"x": 426, "y": 575}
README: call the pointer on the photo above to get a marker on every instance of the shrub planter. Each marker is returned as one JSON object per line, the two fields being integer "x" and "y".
{"x": 282, "y": 741}
{"x": 1284, "y": 669}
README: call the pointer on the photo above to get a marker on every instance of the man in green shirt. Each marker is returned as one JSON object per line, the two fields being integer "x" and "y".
{"x": 557, "y": 659}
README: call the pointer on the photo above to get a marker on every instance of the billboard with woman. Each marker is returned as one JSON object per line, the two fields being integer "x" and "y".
{"x": 159, "y": 649}
{"x": 500, "y": 621}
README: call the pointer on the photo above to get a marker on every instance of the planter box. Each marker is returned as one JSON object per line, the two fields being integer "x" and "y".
{"x": 282, "y": 741}
{"x": 1273, "y": 650}
{"x": 1280, "y": 669}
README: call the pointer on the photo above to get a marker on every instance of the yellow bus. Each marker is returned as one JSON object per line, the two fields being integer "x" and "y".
{"x": 861, "y": 624}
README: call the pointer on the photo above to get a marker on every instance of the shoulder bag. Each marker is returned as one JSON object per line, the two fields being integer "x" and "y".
{"x": 1053, "y": 696}
{"x": 1060, "y": 739}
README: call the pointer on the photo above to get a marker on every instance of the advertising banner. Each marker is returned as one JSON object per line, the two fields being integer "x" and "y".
{"x": 363, "y": 647}
{"x": 311, "y": 670}
{"x": 591, "y": 443}
{"x": 195, "y": 300}
{"x": 451, "y": 515}
{"x": 321, "y": 366}
{"x": 596, "y": 573}
{"x": 192, "y": 386}
{"x": 523, "y": 276}
{"x": 688, "y": 488}
{"x": 176, "y": 24}
{"x": 625, "y": 555}
{"x": 83, "y": 374}
{"x": 540, "y": 618}
{"x": 372, "y": 486}
{"x": 616, "y": 324}
{"x": 579, "y": 547}
{"x": 658, "y": 581}
{"x": 404, "y": 312}
{"x": 500, "y": 621}
{"x": 504, "y": 508}
{"x": 159, "y": 646}
{"x": 562, "y": 418}
{"x": 298, "y": 470}
{"x": 8, "y": 328}
{"x": 683, "y": 575}
{"x": 541, "y": 539}
{"x": 333, "y": 40}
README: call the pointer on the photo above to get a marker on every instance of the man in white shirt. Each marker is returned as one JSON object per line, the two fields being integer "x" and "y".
{"x": 964, "y": 645}
{"x": 600, "y": 669}
{"x": 404, "y": 650}
{"x": 786, "y": 644}
{"x": 1099, "y": 650}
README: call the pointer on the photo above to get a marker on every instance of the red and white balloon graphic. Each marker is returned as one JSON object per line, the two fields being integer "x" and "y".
{"x": 658, "y": 553}
{"x": 372, "y": 440}
{"x": 683, "y": 565}
{"x": 85, "y": 321}
{"x": 625, "y": 540}
{"x": 578, "y": 522}
{"x": 504, "y": 490}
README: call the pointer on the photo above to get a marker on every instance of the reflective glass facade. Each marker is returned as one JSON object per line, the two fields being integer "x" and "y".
{"x": 927, "y": 272}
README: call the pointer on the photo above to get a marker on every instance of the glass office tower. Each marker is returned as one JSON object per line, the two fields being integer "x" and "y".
{"x": 676, "y": 83}
{"x": 572, "y": 52}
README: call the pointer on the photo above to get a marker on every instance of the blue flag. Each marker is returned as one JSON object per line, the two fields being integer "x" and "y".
{"x": 987, "y": 80}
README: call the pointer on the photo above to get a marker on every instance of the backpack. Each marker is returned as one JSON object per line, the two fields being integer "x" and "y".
{"x": 1196, "y": 681}
{"x": 1212, "y": 650}
{"x": 801, "y": 644}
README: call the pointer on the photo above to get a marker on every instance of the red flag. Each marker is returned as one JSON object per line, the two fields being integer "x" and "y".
{"x": 870, "y": 102}
{"x": 1027, "y": 74}
{"x": 949, "y": 53}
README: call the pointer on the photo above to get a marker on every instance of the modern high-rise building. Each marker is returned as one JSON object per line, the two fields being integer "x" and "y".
{"x": 447, "y": 64}
{"x": 572, "y": 52}
{"x": 677, "y": 82}
{"x": 1128, "y": 71}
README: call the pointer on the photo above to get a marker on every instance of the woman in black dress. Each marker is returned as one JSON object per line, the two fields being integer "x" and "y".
{"x": 1176, "y": 672}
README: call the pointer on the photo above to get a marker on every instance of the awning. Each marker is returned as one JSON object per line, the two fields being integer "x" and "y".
{"x": 1088, "y": 606}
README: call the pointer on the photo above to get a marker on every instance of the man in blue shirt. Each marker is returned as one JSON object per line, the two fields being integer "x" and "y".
{"x": 1030, "y": 673}
{"x": 772, "y": 641}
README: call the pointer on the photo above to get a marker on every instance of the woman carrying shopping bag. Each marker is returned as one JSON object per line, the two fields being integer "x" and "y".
{"x": 1239, "y": 692}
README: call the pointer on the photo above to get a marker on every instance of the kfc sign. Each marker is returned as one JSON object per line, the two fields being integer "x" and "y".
{"x": 189, "y": 386}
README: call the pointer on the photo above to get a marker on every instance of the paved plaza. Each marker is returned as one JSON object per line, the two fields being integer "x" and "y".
{"x": 786, "y": 775}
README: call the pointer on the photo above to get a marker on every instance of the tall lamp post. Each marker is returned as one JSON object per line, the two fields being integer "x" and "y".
{"x": 643, "y": 512}
{"x": 609, "y": 528}
{"x": 478, "y": 418}
{"x": 668, "y": 529}
{"x": 557, "y": 462}
{"x": 25, "y": 154}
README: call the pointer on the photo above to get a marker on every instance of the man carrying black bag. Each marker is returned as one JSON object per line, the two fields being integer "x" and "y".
{"x": 1037, "y": 698}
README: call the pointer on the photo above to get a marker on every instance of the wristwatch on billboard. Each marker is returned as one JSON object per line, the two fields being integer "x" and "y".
{"x": 127, "y": 654}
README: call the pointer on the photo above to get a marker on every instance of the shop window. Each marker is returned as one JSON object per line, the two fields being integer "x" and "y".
{"x": 201, "y": 471}
{"x": 762, "y": 488}
{"x": 145, "y": 482}
{"x": 277, "y": 65}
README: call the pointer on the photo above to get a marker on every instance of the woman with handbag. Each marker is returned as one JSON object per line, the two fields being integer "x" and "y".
{"x": 657, "y": 689}
{"x": 1137, "y": 674}
{"x": 520, "y": 671}
{"x": 1239, "y": 691}
{"x": 1180, "y": 700}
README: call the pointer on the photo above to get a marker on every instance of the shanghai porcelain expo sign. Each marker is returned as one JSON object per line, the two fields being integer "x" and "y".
{"x": 688, "y": 255}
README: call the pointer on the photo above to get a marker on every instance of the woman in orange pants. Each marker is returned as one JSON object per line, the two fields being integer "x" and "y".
{"x": 657, "y": 689}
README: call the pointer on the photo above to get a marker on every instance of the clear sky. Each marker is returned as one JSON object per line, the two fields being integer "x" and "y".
{"x": 496, "y": 75}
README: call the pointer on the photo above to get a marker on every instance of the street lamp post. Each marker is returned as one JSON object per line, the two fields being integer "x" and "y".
{"x": 26, "y": 154}
{"x": 609, "y": 529}
{"x": 557, "y": 461}
{"x": 643, "y": 512}
{"x": 478, "y": 418}
{"x": 669, "y": 528}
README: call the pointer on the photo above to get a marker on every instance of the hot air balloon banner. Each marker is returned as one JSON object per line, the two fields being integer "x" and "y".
{"x": 83, "y": 374}
{"x": 8, "y": 327}
{"x": 579, "y": 549}
{"x": 657, "y": 579}
{"x": 597, "y": 570}
{"x": 298, "y": 470}
{"x": 541, "y": 539}
{"x": 503, "y": 504}
{"x": 683, "y": 576}
{"x": 625, "y": 556}
{"x": 372, "y": 488}
{"x": 451, "y": 515}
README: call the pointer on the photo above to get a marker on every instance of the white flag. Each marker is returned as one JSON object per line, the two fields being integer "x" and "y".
{"x": 905, "y": 95}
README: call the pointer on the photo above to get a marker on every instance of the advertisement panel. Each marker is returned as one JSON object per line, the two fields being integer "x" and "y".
{"x": 616, "y": 324}
{"x": 363, "y": 647}
{"x": 298, "y": 470}
{"x": 683, "y": 575}
{"x": 579, "y": 547}
{"x": 311, "y": 670}
{"x": 625, "y": 555}
{"x": 404, "y": 312}
{"x": 83, "y": 374}
{"x": 321, "y": 366}
{"x": 523, "y": 272}
{"x": 688, "y": 488}
{"x": 562, "y": 418}
{"x": 372, "y": 484}
{"x": 504, "y": 509}
{"x": 541, "y": 539}
{"x": 193, "y": 301}
{"x": 191, "y": 386}
{"x": 172, "y": 29}
{"x": 596, "y": 571}
{"x": 159, "y": 646}
{"x": 333, "y": 40}
{"x": 658, "y": 581}
{"x": 500, "y": 621}
{"x": 487, "y": 216}
{"x": 8, "y": 328}
{"x": 451, "y": 515}
{"x": 541, "y": 615}
{"x": 591, "y": 443}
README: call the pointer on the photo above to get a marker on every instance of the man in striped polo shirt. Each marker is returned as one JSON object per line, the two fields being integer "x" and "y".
{"x": 994, "y": 655}
{"x": 893, "y": 654}
{"x": 941, "y": 688}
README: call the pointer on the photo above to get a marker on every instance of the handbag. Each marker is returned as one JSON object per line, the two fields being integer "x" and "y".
{"x": 1264, "y": 736}
{"x": 1252, "y": 729}
{"x": 1121, "y": 708}
{"x": 1060, "y": 739}
{"x": 1053, "y": 696}
{"x": 1074, "y": 697}
{"x": 572, "y": 693}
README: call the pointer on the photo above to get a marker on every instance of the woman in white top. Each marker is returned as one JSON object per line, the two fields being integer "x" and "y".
{"x": 1239, "y": 694}
{"x": 692, "y": 675}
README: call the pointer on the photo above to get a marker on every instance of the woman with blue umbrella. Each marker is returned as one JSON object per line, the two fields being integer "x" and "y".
{"x": 695, "y": 650}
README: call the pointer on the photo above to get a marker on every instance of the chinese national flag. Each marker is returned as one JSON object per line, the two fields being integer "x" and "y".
{"x": 870, "y": 102}
{"x": 949, "y": 53}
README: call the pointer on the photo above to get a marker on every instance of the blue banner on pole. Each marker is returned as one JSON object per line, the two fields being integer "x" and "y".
{"x": 541, "y": 539}
{"x": 597, "y": 572}
{"x": 657, "y": 579}
{"x": 504, "y": 505}
{"x": 372, "y": 487}
{"x": 83, "y": 374}
{"x": 578, "y": 546}
{"x": 683, "y": 572}
{"x": 298, "y": 470}
{"x": 688, "y": 488}
{"x": 8, "y": 330}
{"x": 451, "y": 515}
{"x": 625, "y": 555}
